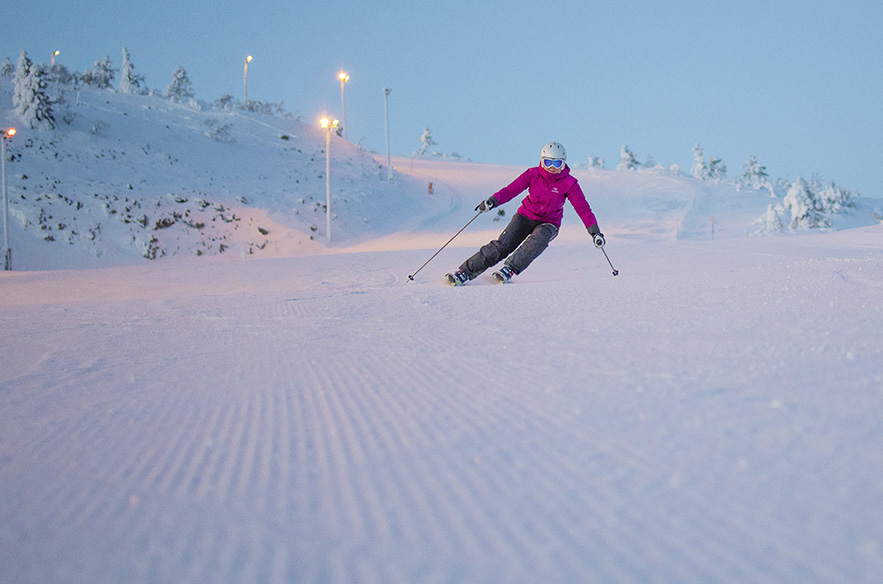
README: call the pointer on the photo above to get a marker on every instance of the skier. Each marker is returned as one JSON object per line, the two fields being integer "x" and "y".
{"x": 536, "y": 222}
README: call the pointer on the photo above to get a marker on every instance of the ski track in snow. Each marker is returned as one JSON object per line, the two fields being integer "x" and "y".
{"x": 710, "y": 415}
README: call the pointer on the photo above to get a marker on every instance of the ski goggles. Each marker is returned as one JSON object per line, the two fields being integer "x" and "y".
{"x": 553, "y": 163}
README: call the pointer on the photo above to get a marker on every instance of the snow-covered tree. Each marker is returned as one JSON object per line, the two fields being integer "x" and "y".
{"x": 627, "y": 159}
{"x": 20, "y": 84}
{"x": 769, "y": 222}
{"x": 180, "y": 87}
{"x": 836, "y": 199}
{"x": 754, "y": 176}
{"x": 426, "y": 140}
{"x": 61, "y": 74}
{"x": 7, "y": 69}
{"x": 101, "y": 76}
{"x": 595, "y": 162}
{"x": 717, "y": 170}
{"x": 129, "y": 81}
{"x": 30, "y": 99}
{"x": 699, "y": 168}
{"x": 805, "y": 206}
{"x": 225, "y": 102}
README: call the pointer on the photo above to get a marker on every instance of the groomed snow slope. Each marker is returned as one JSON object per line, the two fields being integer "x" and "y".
{"x": 709, "y": 415}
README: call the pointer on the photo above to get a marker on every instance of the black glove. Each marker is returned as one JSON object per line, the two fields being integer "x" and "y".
{"x": 598, "y": 240}
{"x": 487, "y": 205}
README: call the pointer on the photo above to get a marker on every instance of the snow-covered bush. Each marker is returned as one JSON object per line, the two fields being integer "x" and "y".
{"x": 754, "y": 176}
{"x": 768, "y": 223}
{"x": 101, "y": 76}
{"x": 714, "y": 170}
{"x": 180, "y": 88}
{"x": 807, "y": 211}
{"x": 836, "y": 199}
{"x": 225, "y": 102}
{"x": 426, "y": 140}
{"x": 595, "y": 162}
{"x": 717, "y": 170}
{"x": 627, "y": 159}
{"x": 61, "y": 74}
{"x": 218, "y": 131}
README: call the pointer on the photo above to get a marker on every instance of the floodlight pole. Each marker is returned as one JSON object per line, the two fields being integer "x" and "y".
{"x": 328, "y": 182}
{"x": 386, "y": 117}
{"x": 327, "y": 125}
{"x": 343, "y": 79}
{"x": 245, "y": 78}
{"x": 7, "y": 253}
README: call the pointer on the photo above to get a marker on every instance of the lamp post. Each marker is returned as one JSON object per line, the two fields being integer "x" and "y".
{"x": 7, "y": 253}
{"x": 327, "y": 125}
{"x": 55, "y": 54}
{"x": 386, "y": 91}
{"x": 343, "y": 79}
{"x": 245, "y": 77}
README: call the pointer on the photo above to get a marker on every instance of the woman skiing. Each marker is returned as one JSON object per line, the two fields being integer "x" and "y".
{"x": 536, "y": 222}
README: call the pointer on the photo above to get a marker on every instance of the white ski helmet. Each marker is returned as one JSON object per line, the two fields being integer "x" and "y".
{"x": 554, "y": 150}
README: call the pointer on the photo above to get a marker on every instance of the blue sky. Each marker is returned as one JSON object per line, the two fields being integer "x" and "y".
{"x": 797, "y": 84}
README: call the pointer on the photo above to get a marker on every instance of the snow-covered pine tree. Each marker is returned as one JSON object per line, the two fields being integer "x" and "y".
{"x": 836, "y": 199}
{"x": 754, "y": 176}
{"x": 8, "y": 68}
{"x": 596, "y": 162}
{"x": 31, "y": 101}
{"x": 769, "y": 222}
{"x": 129, "y": 82}
{"x": 225, "y": 102}
{"x": 699, "y": 168}
{"x": 426, "y": 140}
{"x": 627, "y": 159}
{"x": 22, "y": 70}
{"x": 101, "y": 76}
{"x": 805, "y": 206}
{"x": 180, "y": 87}
{"x": 717, "y": 170}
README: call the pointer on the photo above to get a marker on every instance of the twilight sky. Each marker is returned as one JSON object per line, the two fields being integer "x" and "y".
{"x": 797, "y": 84}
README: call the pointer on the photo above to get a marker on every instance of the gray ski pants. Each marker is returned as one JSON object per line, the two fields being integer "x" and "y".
{"x": 525, "y": 239}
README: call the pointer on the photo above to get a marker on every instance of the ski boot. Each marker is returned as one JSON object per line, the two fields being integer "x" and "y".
{"x": 458, "y": 278}
{"x": 504, "y": 275}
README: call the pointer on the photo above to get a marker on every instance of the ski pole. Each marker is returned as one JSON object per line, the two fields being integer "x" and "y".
{"x": 411, "y": 277}
{"x": 615, "y": 271}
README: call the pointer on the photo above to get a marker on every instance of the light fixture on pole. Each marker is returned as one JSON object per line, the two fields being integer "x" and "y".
{"x": 386, "y": 91}
{"x": 7, "y": 253}
{"x": 327, "y": 125}
{"x": 245, "y": 77}
{"x": 55, "y": 54}
{"x": 343, "y": 79}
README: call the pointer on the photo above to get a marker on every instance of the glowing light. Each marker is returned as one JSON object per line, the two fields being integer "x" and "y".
{"x": 248, "y": 59}
{"x": 343, "y": 77}
{"x": 10, "y": 132}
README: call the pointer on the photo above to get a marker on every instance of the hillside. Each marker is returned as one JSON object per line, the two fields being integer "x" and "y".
{"x": 127, "y": 178}
{"x": 132, "y": 177}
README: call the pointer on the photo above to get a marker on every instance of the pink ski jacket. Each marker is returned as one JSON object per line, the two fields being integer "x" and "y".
{"x": 546, "y": 193}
